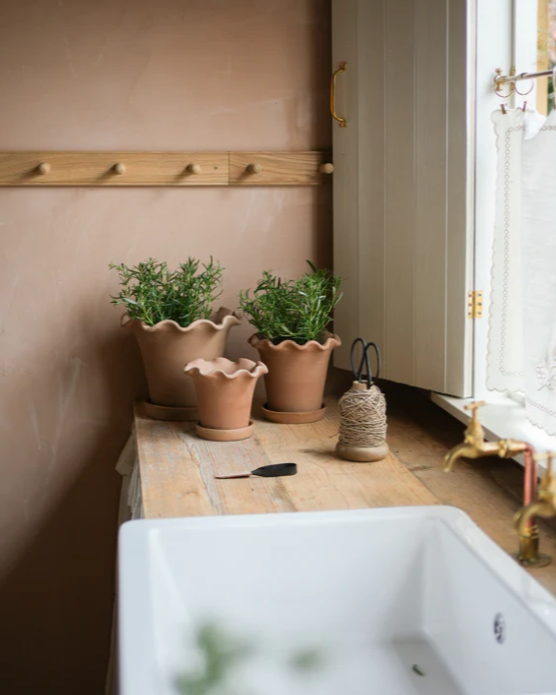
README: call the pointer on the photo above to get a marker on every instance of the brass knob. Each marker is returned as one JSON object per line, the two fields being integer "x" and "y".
{"x": 119, "y": 168}
{"x": 44, "y": 168}
{"x": 194, "y": 168}
{"x": 326, "y": 168}
{"x": 254, "y": 168}
{"x": 473, "y": 407}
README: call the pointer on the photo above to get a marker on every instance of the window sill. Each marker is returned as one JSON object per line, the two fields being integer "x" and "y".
{"x": 502, "y": 418}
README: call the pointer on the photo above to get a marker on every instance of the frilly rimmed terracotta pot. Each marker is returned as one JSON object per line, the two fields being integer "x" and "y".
{"x": 167, "y": 347}
{"x": 224, "y": 396}
{"x": 296, "y": 377}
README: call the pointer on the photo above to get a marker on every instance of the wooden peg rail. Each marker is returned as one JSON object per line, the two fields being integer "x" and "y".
{"x": 64, "y": 168}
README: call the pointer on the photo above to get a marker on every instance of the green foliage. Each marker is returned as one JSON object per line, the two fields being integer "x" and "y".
{"x": 222, "y": 656}
{"x": 221, "y": 653}
{"x": 151, "y": 293}
{"x": 298, "y": 310}
{"x": 306, "y": 660}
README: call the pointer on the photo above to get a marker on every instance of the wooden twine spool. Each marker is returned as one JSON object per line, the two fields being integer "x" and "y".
{"x": 362, "y": 424}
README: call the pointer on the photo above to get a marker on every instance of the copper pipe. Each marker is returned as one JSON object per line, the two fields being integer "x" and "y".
{"x": 476, "y": 446}
{"x": 543, "y": 505}
{"x": 530, "y": 480}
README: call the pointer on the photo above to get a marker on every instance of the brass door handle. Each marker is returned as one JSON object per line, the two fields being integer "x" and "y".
{"x": 341, "y": 121}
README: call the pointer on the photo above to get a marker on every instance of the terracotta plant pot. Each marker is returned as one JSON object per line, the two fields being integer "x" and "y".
{"x": 296, "y": 377}
{"x": 166, "y": 348}
{"x": 224, "y": 396}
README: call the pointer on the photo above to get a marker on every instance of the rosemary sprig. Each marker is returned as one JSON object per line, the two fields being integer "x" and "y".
{"x": 298, "y": 310}
{"x": 152, "y": 293}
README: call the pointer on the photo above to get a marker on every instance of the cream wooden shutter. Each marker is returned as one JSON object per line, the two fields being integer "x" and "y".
{"x": 403, "y": 186}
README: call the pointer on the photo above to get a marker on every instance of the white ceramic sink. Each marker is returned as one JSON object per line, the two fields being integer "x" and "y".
{"x": 372, "y": 602}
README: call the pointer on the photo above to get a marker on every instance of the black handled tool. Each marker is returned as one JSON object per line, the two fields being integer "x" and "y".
{"x": 273, "y": 471}
{"x": 364, "y": 369}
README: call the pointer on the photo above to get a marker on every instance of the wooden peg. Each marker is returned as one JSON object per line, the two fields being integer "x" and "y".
{"x": 119, "y": 168}
{"x": 326, "y": 168}
{"x": 194, "y": 168}
{"x": 44, "y": 168}
{"x": 254, "y": 168}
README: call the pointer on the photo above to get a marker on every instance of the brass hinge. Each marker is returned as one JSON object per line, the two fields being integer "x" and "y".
{"x": 475, "y": 304}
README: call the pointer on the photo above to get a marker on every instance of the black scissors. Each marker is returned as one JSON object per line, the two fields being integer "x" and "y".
{"x": 365, "y": 363}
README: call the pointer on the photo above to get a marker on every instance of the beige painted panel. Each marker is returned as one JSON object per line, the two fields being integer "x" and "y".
{"x": 460, "y": 177}
{"x": 403, "y": 191}
{"x": 399, "y": 349}
{"x": 346, "y": 175}
{"x": 372, "y": 209}
{"x": 431, "y": 154}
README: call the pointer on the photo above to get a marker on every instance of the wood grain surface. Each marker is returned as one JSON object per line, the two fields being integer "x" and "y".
{"x": 127, "y": 168}
{"x": 278, "y": 168}
{"x": 98, "y": 168}
{"x": 177, "y": 470}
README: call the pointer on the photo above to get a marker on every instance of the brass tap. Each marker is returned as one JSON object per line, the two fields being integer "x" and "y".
{"x": 475, "y": 446}
{"x": 545, "y": 506}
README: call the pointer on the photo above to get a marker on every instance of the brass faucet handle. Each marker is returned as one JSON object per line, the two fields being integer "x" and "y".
{"x": 474, "y": 434}
{"x": 473, "y": 407}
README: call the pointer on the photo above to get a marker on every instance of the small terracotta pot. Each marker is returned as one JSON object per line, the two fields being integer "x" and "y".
{"x": 224, "y": 391}
{"x": 166, "y": 348}
{"x": 296, "y": 373}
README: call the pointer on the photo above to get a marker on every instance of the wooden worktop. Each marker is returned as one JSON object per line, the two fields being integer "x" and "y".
{"x": 177, "y": 470}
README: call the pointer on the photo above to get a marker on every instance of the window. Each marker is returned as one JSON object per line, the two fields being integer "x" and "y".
{"x": 523, "y": 36}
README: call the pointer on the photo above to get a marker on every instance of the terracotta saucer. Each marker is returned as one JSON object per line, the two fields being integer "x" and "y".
{"x": 293, "y": 418}
{"x": 225, "y": 435}
{"x": 170, "y": 413}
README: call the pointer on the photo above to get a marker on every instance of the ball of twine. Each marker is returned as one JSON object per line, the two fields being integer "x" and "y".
{"x": 362, "y": 417}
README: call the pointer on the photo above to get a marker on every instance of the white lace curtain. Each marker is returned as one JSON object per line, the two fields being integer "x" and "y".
{"x": 522, "y": 335}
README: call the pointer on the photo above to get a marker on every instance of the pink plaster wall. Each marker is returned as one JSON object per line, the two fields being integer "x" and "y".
{"x": 137, "y": 74}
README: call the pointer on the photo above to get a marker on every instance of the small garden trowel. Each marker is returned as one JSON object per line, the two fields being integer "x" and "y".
{"x": 273, "y": 471}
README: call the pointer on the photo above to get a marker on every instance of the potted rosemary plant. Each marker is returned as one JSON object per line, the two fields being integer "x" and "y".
{"x": 291, "y": 318}
{"x": 171, "y": 315}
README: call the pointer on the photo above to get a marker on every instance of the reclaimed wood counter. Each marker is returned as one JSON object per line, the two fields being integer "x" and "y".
{"x": 177, "y": 472}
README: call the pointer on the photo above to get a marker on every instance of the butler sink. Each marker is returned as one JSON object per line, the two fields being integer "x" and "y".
{"x": 385, "y": 602}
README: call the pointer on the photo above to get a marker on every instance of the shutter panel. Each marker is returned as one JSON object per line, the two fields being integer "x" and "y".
{"x": 403, "y": 187}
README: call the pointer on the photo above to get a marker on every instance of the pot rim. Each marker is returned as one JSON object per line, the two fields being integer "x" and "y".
{"x": 258, "y": 340}
{"x": 213, "y": 368}
{"x": 219, "y": 320}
